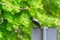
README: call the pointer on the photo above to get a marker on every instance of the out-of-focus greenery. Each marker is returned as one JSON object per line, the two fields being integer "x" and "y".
{"x": 15, "y": 23}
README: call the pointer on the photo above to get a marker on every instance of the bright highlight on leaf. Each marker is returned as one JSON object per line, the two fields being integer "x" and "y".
{"x": 1, "y": 34}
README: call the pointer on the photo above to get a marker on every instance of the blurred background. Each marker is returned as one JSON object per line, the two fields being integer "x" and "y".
{"x": 15, "y": 17}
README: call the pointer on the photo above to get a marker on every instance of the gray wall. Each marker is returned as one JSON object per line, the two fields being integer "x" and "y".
{"x": 36, "y": 34}
{"x": 51, "y": 34}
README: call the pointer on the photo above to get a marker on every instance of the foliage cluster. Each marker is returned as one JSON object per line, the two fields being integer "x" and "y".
{"x": 15, "y": 23}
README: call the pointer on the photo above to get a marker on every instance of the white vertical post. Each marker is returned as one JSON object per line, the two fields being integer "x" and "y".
{"x": 44, "y": 33}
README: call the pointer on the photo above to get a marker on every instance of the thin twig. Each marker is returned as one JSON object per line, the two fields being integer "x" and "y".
{"x": 14, "y": 6}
